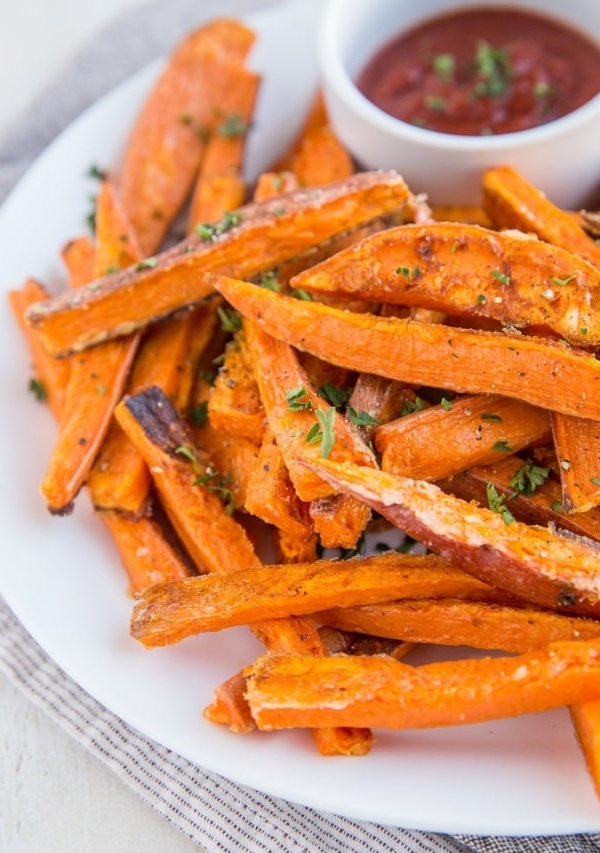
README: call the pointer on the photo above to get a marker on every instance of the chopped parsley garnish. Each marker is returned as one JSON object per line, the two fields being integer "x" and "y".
{"x": 301, "y": 294}
{"x": 502, "y": 446}
{"x": 97, "y": 173}
{"x": 231, "y": 320}
{"x": 488, "y": 416}
{"x": 147, "y": 264}
{"x": 323, "y": 431}
{"x": 500, "y": 276}
{"x": 493, "y": 69}
{"x": 229, "y": 221}
{"x": 361, "y": 418}
{"x": 298, "y": 400}
{"x": 335, "y": 395}
{"x": 91, "y": 216}
{"x": 198, "y": 414}
{"x": 348, "y": 553}
{"x": 561, "y": 282}
{"x": 188, "y": 454}
{"x": 199, "y": 129}
{"x": 38, "y": 389}
{"x": 542, "y": 89}
{"x": 446, "y": 404}
{"x": 233, "y": 125}
{"x": 437, "y": 103}
{"x": 444, "y": 65}
{"x": 208, "y": 376}
{"x": 269, "y": 281}
{"x": 528, "y": 477}
{"x": 215, "y": 482}
{"x": 416, "y": 405}
{"x": 595, "y": 481}
{"x": 409, "y": 272}
{"x": 496, "y": 502}
{"x": 206, "y": 231}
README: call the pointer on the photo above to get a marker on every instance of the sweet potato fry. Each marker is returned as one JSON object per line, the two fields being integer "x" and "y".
{"x": 165, "y": 147}
{"x": 316, "y": 156}
{"x": 514, "y": 557}
{"x": 577, "y": 444}
{"x": 454, "y": 622}
{"x": 171, "y": 612}
{"x": 473, "y": 430}
{"x": 470, "y": 214}
{"x": 535, "y": 370}
{"x": 271, "y": 495}
{"x": 220, "y": 183}
{"x": 468, "y": 270}
{"x": 146, "y": 554}
{"x": 512, "y": 202}
{"x": 256, "y": 239}
{"x": 291, "y": 691}
{"x": 96, "y": 378}
{"x": 52, "y": 373}
{"x": 79, "y": 258}
{"x": 117, "y": 245}
{"x": 339, "y": 520}
{"x": 229, "y": 706}
{"x": 234, "y": 405}
{"x": 270, "y": 184}
{"x": 303, "y": 424}
{"x": 95, "y": 387}
{"x": 586, "y": 719}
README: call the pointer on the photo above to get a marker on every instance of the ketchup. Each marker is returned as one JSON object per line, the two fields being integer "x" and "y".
{"x": 483, "y": 71}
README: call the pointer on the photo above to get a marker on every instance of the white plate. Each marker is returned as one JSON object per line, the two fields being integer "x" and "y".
{"x": 63, "y": 579}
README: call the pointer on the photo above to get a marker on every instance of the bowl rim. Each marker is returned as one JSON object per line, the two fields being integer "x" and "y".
{"x": 336, "y": 78}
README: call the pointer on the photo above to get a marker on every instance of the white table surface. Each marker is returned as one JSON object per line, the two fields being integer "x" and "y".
{"x": 54, "y": 796}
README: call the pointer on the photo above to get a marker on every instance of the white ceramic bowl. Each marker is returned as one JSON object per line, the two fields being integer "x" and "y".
{"x": 562, "y": 158}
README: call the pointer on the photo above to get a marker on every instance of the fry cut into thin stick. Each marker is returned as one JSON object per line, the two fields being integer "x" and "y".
{"x": 254, "y": 239}
{"x": 459, "y": 622}
{"x": 169, "y": 613}
{"x": 538, "y": 371}
{"x": 473, "y": 430}
{"x": 288, "y": 691}
{"x": 511, "y": 556}
{"x": 463, "y": 269}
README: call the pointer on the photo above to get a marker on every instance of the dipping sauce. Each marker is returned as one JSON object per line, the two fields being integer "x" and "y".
{"x": 483, "y": 71}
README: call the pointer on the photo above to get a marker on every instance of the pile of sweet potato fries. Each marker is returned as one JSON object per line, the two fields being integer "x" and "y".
{"x": 324, "y": 354}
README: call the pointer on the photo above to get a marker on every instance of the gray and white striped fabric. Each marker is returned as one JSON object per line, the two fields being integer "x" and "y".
{"x": 219, "y": 815}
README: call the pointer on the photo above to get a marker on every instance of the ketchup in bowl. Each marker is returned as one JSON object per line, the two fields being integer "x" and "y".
{"x": 483, "y": 71}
